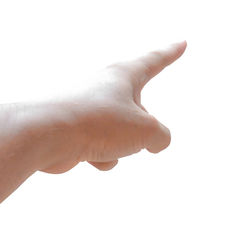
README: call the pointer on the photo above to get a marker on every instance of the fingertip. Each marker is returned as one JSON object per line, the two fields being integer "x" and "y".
{"x": 183, "y": 42}
{"x": 180, "y": 46}
{"x": 183, "y": 45}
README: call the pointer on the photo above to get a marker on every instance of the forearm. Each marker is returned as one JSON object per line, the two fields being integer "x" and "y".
{"x": 30, "y": 140}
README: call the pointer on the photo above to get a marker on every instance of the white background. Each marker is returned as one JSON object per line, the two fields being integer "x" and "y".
{"x": 195, "y": 194}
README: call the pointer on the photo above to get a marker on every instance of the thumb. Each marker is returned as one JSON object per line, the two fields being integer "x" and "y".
{"x": 159, "y": 137}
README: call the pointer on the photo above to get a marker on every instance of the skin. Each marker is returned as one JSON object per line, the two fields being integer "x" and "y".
{"x": 99, "y": 125}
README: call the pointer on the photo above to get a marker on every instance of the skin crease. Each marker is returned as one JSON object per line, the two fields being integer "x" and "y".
{"x": 98, "y": 125}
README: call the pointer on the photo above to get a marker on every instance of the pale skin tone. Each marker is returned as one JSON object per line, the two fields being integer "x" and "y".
{"x": 98, "y": 125}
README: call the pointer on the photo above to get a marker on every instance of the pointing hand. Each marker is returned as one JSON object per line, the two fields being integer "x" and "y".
{"x": 108, "y": 121}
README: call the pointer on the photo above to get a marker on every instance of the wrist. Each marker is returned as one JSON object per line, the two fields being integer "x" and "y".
{"x": 38, "y": 133}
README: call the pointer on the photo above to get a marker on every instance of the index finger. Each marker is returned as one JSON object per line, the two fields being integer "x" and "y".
{"x": 146, "y": 67}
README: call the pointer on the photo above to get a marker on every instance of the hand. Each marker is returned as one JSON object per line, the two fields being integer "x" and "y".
{"x": 108, "y": 121}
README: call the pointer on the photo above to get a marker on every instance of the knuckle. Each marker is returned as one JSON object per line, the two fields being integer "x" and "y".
{"x": 147, "y": 70}
{"x": 116, "y": 66}
{"x": 119, "y": 69}
{"x": 157, "y": 54}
